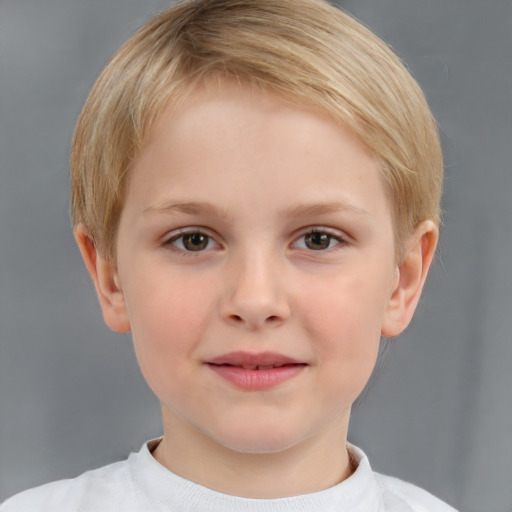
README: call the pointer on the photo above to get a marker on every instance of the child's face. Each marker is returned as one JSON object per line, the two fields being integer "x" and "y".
{"x": 254, "y": 233}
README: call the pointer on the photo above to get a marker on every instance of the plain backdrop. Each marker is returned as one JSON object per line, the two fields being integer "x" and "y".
{"x": 439, "y": 411}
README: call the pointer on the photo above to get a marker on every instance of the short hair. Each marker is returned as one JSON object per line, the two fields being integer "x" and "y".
{"x": 306, "y": 51}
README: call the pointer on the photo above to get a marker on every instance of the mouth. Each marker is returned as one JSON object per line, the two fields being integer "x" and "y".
{"x": 254, "y": 361}
{"x": 257, "y": 367}
{"x": 256, "y": 372}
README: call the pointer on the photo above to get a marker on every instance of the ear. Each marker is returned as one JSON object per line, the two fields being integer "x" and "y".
{"x": 410, "y": 278}
{"x": 105, "y": 280}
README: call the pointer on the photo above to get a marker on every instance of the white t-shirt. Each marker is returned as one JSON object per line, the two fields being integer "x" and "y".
{"x": 141, "y": 484}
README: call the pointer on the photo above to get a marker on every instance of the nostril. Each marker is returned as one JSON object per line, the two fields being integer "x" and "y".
{"x": 253, "y": 317}
{"x": 271, "y": 319}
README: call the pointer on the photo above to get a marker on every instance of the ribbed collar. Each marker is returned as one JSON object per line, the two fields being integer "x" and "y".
{"x": 168, "y": 492}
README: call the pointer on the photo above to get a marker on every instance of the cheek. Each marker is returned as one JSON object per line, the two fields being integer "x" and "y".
{"x": 345, "y": 323}
{"x": 168, "y": 317}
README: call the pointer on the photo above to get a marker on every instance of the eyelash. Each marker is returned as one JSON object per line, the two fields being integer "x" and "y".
{"x": 341, "y": 241}
{"x": 188, "y": 232}
{"x": 323, "y": 231}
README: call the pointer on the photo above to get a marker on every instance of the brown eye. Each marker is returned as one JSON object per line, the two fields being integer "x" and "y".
{"x": 195, "y": 241}
{"x": 192, "y": 242}
{"x": 318, "y": 241}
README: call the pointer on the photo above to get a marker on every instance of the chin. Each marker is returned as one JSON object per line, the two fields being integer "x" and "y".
{"x": 259, "y": 439}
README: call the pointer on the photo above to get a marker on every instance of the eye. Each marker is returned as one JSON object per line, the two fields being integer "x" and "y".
{"x": 318, "y": 240}
{"x": 192, "y": 242}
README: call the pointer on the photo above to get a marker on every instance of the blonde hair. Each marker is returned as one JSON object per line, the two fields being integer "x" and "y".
{"x": 304, "y": 50}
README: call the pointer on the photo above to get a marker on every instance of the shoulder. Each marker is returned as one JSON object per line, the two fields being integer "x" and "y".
{"x": 109, "y": 484}
{"x": 399, "y": 495}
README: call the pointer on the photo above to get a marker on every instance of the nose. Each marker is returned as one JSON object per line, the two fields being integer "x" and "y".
{"x": 255, "y": 293}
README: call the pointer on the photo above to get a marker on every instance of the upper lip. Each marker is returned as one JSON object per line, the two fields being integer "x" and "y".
{"x": 250, "y": 359}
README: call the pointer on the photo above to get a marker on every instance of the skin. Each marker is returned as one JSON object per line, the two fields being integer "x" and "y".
{"x": 257, "y": 177}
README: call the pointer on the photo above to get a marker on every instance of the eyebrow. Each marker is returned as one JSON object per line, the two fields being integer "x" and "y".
{"x": 325, "y": 208}
{"x": 188, "y": 207}
{"x": 301, "y": 210}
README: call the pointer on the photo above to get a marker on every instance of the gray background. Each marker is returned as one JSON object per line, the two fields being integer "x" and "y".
{"x": 71, "y": 397}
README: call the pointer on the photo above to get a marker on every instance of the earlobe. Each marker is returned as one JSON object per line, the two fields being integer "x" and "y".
{"x": 410, "y": 278}
{"x": 105, "y": 279}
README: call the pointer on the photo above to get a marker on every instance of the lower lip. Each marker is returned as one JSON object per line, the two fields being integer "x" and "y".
{"x": 257, "y": 380}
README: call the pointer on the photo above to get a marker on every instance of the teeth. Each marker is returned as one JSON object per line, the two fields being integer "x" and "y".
{"x": 257, "y": 367}
{"x": 261, "y": 366}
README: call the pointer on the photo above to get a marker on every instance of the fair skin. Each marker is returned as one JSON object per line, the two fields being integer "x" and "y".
{"x": 253, "y": 226}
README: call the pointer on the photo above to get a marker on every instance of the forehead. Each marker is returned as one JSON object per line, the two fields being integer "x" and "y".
{"x": 191, "y": 104}
{"x": 227, "y": 137}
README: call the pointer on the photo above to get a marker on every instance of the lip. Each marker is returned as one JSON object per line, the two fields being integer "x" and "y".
{"x": 256, "y": 371}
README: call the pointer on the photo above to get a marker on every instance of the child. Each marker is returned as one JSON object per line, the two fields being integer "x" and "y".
{"x": 255, "y": 193}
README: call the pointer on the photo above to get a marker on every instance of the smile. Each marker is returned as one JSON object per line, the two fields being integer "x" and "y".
{"x": 256, "y": 372}
{"x": 257, "y": 367}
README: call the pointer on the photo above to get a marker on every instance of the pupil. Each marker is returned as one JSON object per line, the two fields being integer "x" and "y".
{"x": 318, "y": 241}
{"x": 195, "y": 241}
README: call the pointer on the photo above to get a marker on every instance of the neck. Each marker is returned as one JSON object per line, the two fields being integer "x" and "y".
{"x": 311, "y": 466}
